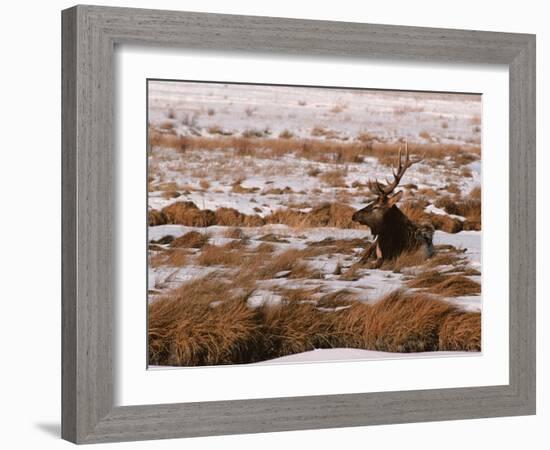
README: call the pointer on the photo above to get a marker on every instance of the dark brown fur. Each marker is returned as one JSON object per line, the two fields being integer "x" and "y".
{"x": 395, "y": 233}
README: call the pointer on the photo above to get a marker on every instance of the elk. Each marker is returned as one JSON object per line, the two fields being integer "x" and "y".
{"x": 394, "y": 232}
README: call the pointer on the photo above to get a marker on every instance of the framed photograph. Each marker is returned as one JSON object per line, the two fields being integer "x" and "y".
{"x": 277, "y": 224}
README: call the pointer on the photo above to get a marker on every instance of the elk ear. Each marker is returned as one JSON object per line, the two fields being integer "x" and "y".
{"x": 395, "y": 198}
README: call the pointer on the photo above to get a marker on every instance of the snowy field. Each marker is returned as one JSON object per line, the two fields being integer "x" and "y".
{"x": 250, "y": 176}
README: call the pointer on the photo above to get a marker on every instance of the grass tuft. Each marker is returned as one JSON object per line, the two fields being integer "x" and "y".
{"x": 205, "y": 322}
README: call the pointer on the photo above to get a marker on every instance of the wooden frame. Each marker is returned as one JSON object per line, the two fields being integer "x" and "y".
{"x": 90, "y": 34}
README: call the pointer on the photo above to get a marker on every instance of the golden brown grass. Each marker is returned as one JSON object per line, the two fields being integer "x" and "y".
{"x": 187, "y": 213}
{"x": 192, "y": 239}
{"x": 234, "y": 233}
{"x": 405, "y": 323}
{"x": 461, "y": 331}
{"x": 300, "y": 294}
{"x": 213, "y": 255}
{"x": 167, "y": 186}
{"x": 166, "y": 140}
{"x": 446, "y": 285}
{"x": 286, "y": 134}
{"x": 174, "y": 257}
{"x": 313, "y": 172}
{"x": 238, "y": 189}
{"x": 288, "y": 264}
{"x": 469, "y": 208}
{"x": 167, "y": 125}
{"x": 342, "y": 297}
{"x": 325, "y": 215}
{"x": 278, "y": 191}
{"x": 230, "y": 217}
{"x": 331, "y": 246}
{"x": 404, "y": 260}
{"x": 338, "y": 109}
{"x": 424, "y": 135}
{"x": 414, "y": 210}
{"x": 170, "y": 194}
{"x": 475, "y": 193}
{"x": 185, "y": 328}
{"x": 324, "y": 132}
{"x": 324, "y": 150}
{"x": 334, "y": 178}
{"x": 155, "y": 217}
{"x": 265, "y": 248}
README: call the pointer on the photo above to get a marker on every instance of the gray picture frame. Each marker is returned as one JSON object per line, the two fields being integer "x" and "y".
{"x": 90, "y": 34}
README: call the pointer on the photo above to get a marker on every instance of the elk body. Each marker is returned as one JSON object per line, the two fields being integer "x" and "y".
{"x": 394, "y": 232}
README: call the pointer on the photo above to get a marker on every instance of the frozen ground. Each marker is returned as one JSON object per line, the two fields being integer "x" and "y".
{"x": 257, "y": 185}
{"x": 198, "y": 106}
{"x": 351, "y": 354}
{"x": 372, "y": 284}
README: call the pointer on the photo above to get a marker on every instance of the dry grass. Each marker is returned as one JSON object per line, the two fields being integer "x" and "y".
{"x": 326, "y": 215}
{"x": 414, "y": 210}
{"x": 405, "y": 109}
{"x": 187, "y": 213}
{"x": 278, "y": 191}
{"x": 334, "y": 150}
{"x": 192, "y": 239}
{"x": 174, "y": 257}
{"x": 288, "y": 264}
{"x": 170, "y": 194}
{"x": 230, "y": 217}
{"x": 166, "y": 140}
{"x": 216, "y": 129}
{"x": 234, "y": 233}
{"x": 185, "y": 329}
{"x": 324, "y": 132}
{"x": 445, "y": 255}
{"x": 265, "y": 248}
{"x": 238, "y": 189}
{"x": 155, "y": 217}
{"x": 286, "y": 134}
{"x": 341, "y": 246}
{"x": 338, "y": 109}
{"x": 424, "y": 135}
{"x": 167, "y": 186}
{"x": 336, "y": 299}
{"x": 405, "y": 323}
{"x": 334, "y": 178}
{"x": 404, "y": 260}
{"x": 466, "y": 172}
{"x": 468, "y": 208}
{"x": 313, "y": 172}
{"x": 461, "y": 331}
{"x": 167, "y": 125}
{"x": 213, "y": 255}
{"x": 446, "y": 285}
{"x": 475, "y": 193}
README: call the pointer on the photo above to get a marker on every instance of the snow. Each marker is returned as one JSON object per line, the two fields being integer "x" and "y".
{"x": 345, "y": 112}
{"x": 441, "y": 212}
{"x": 350, "y": 354}
{"x": 468, "y": 240}
{"x": 371, "y": 285}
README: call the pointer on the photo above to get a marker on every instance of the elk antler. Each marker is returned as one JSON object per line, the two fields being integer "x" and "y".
{"x": 381, "y": 190}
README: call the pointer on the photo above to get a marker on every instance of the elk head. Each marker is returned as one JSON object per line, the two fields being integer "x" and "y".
{"x": 377, "y": 213}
